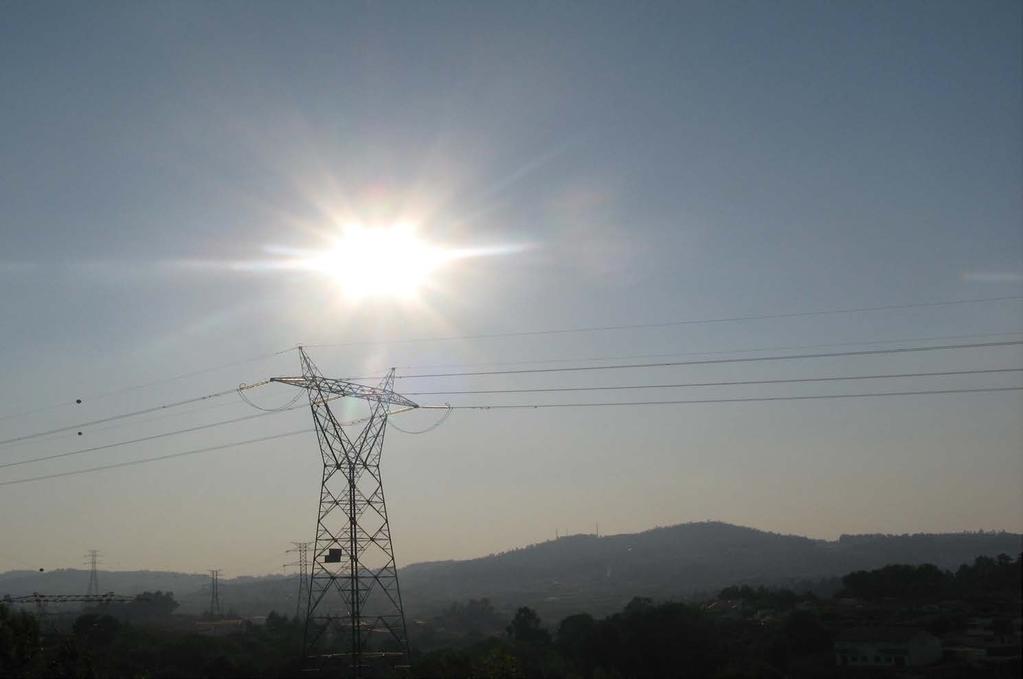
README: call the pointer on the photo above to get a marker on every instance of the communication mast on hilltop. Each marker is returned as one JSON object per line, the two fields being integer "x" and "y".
{"x": 354, "y": 610}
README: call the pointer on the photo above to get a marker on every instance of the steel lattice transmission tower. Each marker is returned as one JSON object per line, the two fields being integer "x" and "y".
{"x": 93, "y": 559}
{"x": 215, "y": 593}
{"x": 354, "y": 611}
{"x": 302, "y": 563}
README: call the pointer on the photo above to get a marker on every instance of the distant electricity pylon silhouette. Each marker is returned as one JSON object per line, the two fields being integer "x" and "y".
{"x": 302, "y": 563}
{"x": 215, "y": 593}
{"x": 354, "y": 609}
{"x": 93, "y": 559}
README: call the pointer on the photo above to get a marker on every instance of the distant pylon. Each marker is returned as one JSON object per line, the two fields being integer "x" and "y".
{"x": 93, "y": 559}
{"x": 215, "y": 593}
{"x": 302, "y": 563}
{"x": 354, "y": 610}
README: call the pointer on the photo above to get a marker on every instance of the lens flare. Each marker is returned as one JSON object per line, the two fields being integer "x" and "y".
{"x": 381, "y": 262}
{"x": 393, "y": 262}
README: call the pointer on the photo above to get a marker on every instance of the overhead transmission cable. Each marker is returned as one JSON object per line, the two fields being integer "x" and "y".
{"x": 521, "y": 333}
{"x": 177, "y": 432}
{"x": 153, "y": 437}
{"x": 631, "y": 357}
{"x": 506, "y": 406}
{"x": 942, "y": 373}
{"x": 715, "y": 361}
{"x": 135, "y": 387}
{"x": 147, "y": 460}
{"x": 121, "y": 416}
{"x": 287, "y": 406}
{"x": 667, "y": 324}
{"x": 29, "y": 438}
{"x": 245, "y": 387}
{"x": 117, "y": 424}
{"x": 535, "y": 406}
{"x": 443, "y": 418}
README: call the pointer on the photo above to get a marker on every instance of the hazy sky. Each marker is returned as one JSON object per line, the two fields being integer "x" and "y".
{"x": 663, "y": 162}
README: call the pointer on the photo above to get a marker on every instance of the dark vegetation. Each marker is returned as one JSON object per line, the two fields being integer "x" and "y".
{"x": 742, "y": 631}
{"x": 986, "y": 577}
{"x": 693, "y": 560}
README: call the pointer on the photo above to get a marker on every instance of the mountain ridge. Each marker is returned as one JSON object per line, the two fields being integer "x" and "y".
{"x": 602, "y": 573}
{"x": 582, "y": 572}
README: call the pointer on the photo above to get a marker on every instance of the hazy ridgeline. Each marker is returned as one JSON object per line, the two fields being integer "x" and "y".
{"x": 578, "y": 573}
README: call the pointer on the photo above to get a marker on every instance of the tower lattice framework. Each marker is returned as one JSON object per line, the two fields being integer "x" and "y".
{"x": 354, "y": 611}
{"x": 302, "y": 566}
{"x": 92, "y": 560}
{"x": 215, "y": 611}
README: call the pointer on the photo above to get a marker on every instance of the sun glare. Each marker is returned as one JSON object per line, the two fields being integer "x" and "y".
{"x": 381, "y": 262}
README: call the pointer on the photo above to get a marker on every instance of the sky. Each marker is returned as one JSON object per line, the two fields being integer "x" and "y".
{"x": 636, "y": 164}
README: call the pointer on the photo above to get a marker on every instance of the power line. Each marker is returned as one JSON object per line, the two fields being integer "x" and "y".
{"x": 165, "y": 435}
{"x": 177, "y": 432}
{"x": 441, "y": 420}
{"x": 630, "y": 357}
{"x": 748, "y": 359}
{"x": 147, "y": 460}
{"x": 719, "y": 400}
{"x": 666, "y": 324}
{"x": 718, "y": 384}
{"x": 532, "y": 406}
{"x": 122, "y": 416}
{"x": 144, "y": 385}
{"x": 633, "y": 326}
{"x": 261, "y": 357}
{"x": 119, "y": 424}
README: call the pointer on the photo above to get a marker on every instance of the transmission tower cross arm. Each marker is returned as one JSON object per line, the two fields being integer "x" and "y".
{"x": 338, "y": 387}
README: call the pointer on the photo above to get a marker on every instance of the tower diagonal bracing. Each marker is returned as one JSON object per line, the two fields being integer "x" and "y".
{"x": 354, "y": 613}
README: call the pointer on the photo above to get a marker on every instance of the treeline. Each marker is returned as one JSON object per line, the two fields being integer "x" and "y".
{"x": 643, "y": 640}
{"x": 744, "y": 632}
{"x": 999, "y": 576}
{"x": 100, "y": 645}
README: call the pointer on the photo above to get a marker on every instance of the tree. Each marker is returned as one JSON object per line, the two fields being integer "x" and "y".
{"x": 669, "y": 639}
{"x": 576, "y": 641}
{"x": 498, "y": 663}
{"x": 19, "y": 640}
{"x": 639, "y": 605}
{"x": 805, "y": 634}
{"x": 152, "y": 605}
{"x": 925, "y": 581}
{"x": 276, "y": 622}
{"x": 96, "y": 630}
{"x": 525, "y": 627}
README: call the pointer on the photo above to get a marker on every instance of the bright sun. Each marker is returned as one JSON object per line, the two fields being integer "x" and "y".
{"x": 381, "y": 262}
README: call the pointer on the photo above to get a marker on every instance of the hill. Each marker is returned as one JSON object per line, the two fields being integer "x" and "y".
{"x": 600, "y": 574}
{"x": 243, "y": 595}
{"x": 577, "y": 573}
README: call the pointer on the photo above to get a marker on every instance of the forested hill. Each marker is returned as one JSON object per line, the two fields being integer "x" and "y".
{"x": 586, "y": 572}
{"x": 575, "y": 573}
{"x": 243, "y": 595}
